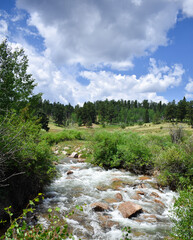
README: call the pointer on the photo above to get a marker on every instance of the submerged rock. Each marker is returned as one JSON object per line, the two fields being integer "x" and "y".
{"x": 129, "y": 209}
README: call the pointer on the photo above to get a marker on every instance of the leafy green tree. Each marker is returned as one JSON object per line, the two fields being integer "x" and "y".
{"x": 16, "y": 85}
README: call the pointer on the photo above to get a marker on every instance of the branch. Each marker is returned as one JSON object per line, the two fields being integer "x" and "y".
{"x": 13, "y": 175}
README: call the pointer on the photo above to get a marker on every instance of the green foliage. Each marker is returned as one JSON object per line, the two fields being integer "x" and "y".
{"x": 65, "y": 135}
{"x": 183, "y": 216}
{"x": 122, "y": 150}
{"x": 176, "y": 167}
{"x": 126, "y": 231}
{"x": 19, "y": 229}
{"x": 26, "y": 160}
{"x": 176, "y": 133}
{"x": 16, "y": 85}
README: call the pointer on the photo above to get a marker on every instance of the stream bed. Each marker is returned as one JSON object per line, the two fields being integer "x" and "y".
{"x": 86, "y": 184}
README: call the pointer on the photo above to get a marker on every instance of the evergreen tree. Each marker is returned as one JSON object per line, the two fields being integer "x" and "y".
{"x": 181, "y": 109}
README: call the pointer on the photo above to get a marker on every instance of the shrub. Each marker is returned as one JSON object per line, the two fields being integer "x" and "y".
{"x": 176, "y": 167}
{"x": 183, "y": 216}
{"x": 176, "y": 133}
{"x": 25, "y": 160}
{"x": 122, "y": 150}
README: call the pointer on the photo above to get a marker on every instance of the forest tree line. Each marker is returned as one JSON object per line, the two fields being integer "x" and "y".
{"x": 116, "y": 112}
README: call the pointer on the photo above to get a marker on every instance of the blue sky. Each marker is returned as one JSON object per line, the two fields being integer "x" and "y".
{"x": 91, "y": 50}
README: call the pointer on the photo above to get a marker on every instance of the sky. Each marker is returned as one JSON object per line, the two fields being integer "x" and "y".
{"x": 93, "y": 50}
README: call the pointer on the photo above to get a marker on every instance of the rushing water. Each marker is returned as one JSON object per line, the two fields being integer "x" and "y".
{"x": 90, "y": 184}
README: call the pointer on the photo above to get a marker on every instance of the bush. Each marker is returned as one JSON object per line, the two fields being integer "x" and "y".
{"x": 176, "y": 134}
{"x": 122, "y": 150}
{"x": 176, "y": 167}
{"x": 25, "y": 160}
{"x": 183, "y": 216}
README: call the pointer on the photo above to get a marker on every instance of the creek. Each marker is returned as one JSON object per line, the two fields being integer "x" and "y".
{"x": 88, "y": 184}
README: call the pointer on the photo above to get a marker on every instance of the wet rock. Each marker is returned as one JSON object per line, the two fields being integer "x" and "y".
{"x": 66, "y": 148}
{"x": 119, "y": 196}
{"x": 74, "y": 155}
{"x": 150, "y": 218}
{"x": 55, "y": 163}
{"x": 116, "y": 180}
{"x": 154, "y": 194}
{"x": 144, "y": 178}
{"x": 142, "y": 185}
{"x": 102, "y": 188}
{"x": 106, "y": 222}
{"x": 116, "y": 183}
{"x": 129, "y": 209}
{"x": 159, "y": 202}
{"x": 81, "y": 160}
{"x": 99, "y": 206}
{"x": 138, "y": 234}
{"x": 69, "y": 172}
{"x": 110, "y": 200}
{"x": 140, "y": 192}
{"x": 136, "y": 197}
{"x": 74, "y": 167}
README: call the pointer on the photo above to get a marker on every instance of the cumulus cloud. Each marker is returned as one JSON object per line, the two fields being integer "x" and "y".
{"x": 116, "y": 86}
{"x": 188, "y": 8}
{"x": 189, "y": 89}
{"x": 102, "y": 32}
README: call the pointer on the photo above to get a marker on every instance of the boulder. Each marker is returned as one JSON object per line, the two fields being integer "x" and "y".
{"x": 129, "y": 209}
{"x": 110, "y": 200}
{"x": 64, "y": 152}
{"x": 74, "y": 155}
{"x": 119, "y": 196}
{"x": 99, "y": 206}
{"x": 55, "y": 163}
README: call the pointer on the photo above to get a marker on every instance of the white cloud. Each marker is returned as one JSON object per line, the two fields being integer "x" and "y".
{"x": 101, "y": 32}
{"x": 189, "y": 86}
{"x": 188, "y": 7}
{"x": 112, "y": 86}
{"x": 3, "y": 29}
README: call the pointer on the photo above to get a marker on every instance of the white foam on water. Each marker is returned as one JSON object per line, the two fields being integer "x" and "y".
{"x": 80, "y": 188}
